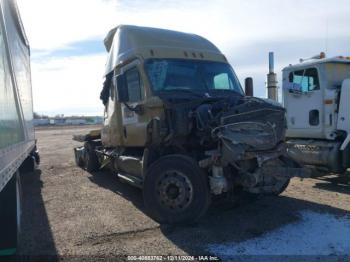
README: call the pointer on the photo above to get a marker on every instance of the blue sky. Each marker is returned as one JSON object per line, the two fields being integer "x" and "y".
{"x": 68, "y": 56}
{"x": 80, "y": 48}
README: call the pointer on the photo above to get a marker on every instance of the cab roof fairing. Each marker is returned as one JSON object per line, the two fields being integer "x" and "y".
{"x": 126, "y": 41}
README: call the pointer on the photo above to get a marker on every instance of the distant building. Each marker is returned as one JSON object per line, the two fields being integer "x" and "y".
{"x": 72, "y": 120}
{"x": 58, "y": 121}
{"x": 75, "y": 121}
{"x": 41, "y": 122}
{"x": 98, "y": 120}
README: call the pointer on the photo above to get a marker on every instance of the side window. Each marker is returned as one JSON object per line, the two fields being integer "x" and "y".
{"x": 222, "y": 81}
{"x": 307, "y": 79}
{"x": 133, "y": 84}
{"x": 312, "y": 79}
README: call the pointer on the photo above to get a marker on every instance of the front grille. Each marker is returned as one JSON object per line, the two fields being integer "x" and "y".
{"x": 269, "y": 120}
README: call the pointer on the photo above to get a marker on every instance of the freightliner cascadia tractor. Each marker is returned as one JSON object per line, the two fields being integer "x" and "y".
{"x": 178, "y": 125}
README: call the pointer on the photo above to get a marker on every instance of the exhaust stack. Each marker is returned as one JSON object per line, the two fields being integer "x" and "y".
{"x": 272, "y": 92}
{"x": 249, "y": 90}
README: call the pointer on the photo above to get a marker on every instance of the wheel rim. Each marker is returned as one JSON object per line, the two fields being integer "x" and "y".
{"x": 175, "y": 191}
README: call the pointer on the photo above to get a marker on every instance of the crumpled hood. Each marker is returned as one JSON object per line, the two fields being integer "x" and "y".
{"x": 252, "y": 123}
{"x": 256, "y": 123}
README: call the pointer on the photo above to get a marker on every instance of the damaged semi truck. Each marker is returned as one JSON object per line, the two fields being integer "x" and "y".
{"x": 178, "y": 125}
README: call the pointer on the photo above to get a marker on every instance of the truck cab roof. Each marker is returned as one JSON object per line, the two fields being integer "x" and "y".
{"x": 126, "y": 42}
{"x": 317, "y": 61}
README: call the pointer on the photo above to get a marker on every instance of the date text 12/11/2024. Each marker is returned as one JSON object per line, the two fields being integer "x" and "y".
{"x": 173, "y": 258}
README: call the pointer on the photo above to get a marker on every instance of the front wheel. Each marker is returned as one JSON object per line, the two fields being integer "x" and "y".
{"x": 176, "y": 190}
{"x": 281, "y": 184}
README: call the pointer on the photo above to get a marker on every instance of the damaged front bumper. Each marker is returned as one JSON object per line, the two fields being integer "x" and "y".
{"x": 257, "y": 171}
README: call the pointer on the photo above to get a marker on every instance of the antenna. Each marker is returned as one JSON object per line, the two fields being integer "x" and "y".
{"x": 326, "y": 40}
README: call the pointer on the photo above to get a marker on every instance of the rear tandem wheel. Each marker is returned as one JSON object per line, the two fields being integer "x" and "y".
{"x": 91, "y": 161}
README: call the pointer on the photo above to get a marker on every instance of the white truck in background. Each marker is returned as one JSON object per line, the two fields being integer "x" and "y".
{"x": 316, "y": 95}
{"x": 17, "y": 142}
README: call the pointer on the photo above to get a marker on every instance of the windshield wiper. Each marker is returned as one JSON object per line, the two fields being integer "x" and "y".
{"x": 189, "y": 91}
{"x": 225, "y": 92}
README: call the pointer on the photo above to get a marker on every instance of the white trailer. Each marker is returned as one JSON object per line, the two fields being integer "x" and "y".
{"x": 316, "y": 95}
{"x": 17, "y": 142}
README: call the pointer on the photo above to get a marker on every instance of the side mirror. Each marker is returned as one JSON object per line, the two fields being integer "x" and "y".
{"x": 248, "y": 86}
{"x": 122, "y": 90}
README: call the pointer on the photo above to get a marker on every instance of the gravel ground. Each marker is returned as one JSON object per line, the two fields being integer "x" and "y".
{"x": 68, "y": 211}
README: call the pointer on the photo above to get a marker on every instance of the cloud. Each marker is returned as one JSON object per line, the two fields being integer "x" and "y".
{"x": 251, "y": 59}
{"x": 68, "y": 84}
{"x": 58, "y": 23}
{"x": 55, "y": 24}
{"x": 244, "y": 30}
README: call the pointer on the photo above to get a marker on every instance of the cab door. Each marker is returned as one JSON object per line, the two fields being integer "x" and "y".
{"x": 131, "y": 96}
{"x": 110, "y": 133}
{"x": 303, "y": 100}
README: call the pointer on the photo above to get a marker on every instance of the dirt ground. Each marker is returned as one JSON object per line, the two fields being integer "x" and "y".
{"x": 69, "y": 211}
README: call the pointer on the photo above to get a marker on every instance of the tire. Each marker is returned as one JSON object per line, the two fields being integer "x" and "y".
{"x": 28, "y": 165}
{"x": 36, "y": 157}
{"x": 90, "y": 157}
{"x": 10, "y": 216}
{"x": 79, "y": 158}
{"x": 176, "y": 190}
{"x": 283, "y": 186}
